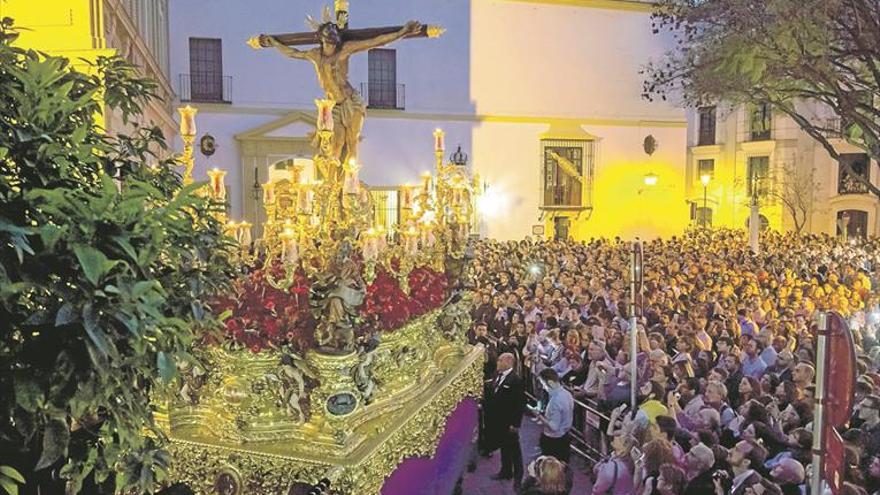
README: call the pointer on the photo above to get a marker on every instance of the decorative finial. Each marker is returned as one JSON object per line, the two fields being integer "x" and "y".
{"x": 254, "y": 43}
{"x": 341, "y": 7}
{"x": 435, "y": 31}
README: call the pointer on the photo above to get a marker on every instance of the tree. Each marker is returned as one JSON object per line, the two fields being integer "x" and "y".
{"x": 794, "y": 188}
{"x": 106, "y": 265}
{"x": 805, "y": 58}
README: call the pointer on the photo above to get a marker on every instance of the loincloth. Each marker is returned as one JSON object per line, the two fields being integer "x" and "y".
{"x": 346, "y": 112}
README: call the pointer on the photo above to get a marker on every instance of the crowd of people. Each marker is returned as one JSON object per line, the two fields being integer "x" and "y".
{"x": 726, "y": 361}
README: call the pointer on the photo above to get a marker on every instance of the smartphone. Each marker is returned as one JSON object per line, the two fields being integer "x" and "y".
{"x": 637, "y": 455}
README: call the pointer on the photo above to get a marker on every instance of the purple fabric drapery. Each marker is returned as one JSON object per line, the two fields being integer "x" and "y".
{"x": 438, "y": 475}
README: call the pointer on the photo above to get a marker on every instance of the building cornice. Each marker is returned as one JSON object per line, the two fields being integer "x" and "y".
{"x": 626, "y": 5}
{"x": 706, "y": 150}
{"x": 206, "y": 108}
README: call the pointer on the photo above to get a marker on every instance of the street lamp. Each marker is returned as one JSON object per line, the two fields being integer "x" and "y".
{"x": 705, "y": 179}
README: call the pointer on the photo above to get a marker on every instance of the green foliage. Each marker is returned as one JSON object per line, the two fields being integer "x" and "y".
{"x": 106, "y": 265}
{"x": 10, "y": 479}
{"x": 817, "y": 61}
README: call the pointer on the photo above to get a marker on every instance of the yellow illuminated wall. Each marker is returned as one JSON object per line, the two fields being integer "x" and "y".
{"x": 539, "y": 68}
{"x": 84, "y": 30}
{"x": 66, "y": 28}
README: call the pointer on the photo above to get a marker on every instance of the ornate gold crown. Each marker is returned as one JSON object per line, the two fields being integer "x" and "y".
{"x": 341, "y": 5}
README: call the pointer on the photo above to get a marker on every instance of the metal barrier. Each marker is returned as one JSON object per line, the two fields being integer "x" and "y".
{"x": 586, "y": 416}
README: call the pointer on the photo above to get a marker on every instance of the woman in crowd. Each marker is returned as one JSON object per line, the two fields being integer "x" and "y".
{"x": 726, "y": 349}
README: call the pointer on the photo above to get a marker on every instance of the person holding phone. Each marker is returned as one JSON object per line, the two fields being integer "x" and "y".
{"x": 556, "y": 418}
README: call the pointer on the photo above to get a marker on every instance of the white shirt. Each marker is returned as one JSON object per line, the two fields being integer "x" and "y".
{"x": 500, "y": 379}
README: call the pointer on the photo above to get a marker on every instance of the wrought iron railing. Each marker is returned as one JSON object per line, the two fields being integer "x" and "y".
{"x": 850, "y": 185}
{"x": 206, "y": 88}
{"x": 383, "y": 95}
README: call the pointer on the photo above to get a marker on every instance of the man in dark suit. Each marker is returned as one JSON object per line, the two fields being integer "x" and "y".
{"x": 504, "y": 406}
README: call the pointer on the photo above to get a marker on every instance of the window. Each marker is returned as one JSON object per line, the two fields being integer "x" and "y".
{"x": 707, "y": 126}
{"x": 703, "y": 216}
{"x": 848, "y": 183}
{"x": 758, "y": 174}
{"x": 705, "y": 167}
{"x": 206, "y": 69}
{"x": 852, "y": 223}
{"x": 760, "y": 120}
{"x": 382, "y": 78}
{"x": 567, "y": 172}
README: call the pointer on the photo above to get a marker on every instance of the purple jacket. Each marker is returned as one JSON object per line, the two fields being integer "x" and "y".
{"x": 613, "y": 477}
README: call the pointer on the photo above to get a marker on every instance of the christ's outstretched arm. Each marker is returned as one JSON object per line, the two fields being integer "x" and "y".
{"x": 351, "y": 47}
{"x": 286, "y": 50}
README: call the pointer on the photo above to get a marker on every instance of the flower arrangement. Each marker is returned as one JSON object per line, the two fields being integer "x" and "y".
{"x": 264, "y": 317}
{"x": 427, "y": 290}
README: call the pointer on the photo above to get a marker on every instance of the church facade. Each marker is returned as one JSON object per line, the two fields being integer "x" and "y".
{"x": 543, "y": 96}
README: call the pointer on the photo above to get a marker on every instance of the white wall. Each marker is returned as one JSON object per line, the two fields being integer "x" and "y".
{"x": 495, "y": 81}
{"x": 567, "y": 61}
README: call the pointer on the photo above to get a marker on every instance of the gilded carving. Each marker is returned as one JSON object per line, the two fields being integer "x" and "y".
{"x": 269, "y": 420}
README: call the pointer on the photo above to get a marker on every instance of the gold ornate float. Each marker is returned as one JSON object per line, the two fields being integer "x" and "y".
{"x": 367, "y": 412}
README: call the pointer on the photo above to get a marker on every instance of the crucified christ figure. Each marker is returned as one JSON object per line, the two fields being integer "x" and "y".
{"x": 331, "y": 63}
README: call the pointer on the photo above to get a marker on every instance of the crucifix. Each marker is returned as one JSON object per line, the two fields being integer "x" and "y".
{"x": 336, "y": 44}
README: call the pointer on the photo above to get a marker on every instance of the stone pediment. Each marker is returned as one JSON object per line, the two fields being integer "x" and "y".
{"x": 295, "y": 125}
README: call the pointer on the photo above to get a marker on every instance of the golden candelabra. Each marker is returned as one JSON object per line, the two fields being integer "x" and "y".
{"x": 188, "y": 135}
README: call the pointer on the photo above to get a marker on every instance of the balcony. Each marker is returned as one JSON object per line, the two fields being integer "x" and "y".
{"x": 849, "y": 183}
{"x": 205, "y": 88}
{"x": 384, "y": 96}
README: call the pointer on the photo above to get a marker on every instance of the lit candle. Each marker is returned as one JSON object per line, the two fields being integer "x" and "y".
{"x": 381, "y": 239}
{"x": 268, "y": 193}
{"x": 325, "y": 114}
{"x": 426, "y": 184}
{"x": 439, "y": 141}
{"x": 232, "y": 229}
{"x": 412, "y": 242}
{"x": 304, "y": 198}
{"x": 406, "y": 196}
{"x": 351, "y": 183}
{"x": 245, "y": 237}
{"x": 289, "y": 248}
{"x": 369, "y": 247}
{"x": 218, "y": 188}
{"x": 188, "y": 120}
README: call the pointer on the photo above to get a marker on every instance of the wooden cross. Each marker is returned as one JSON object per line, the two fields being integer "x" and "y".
{"x": 311, "y": 37}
